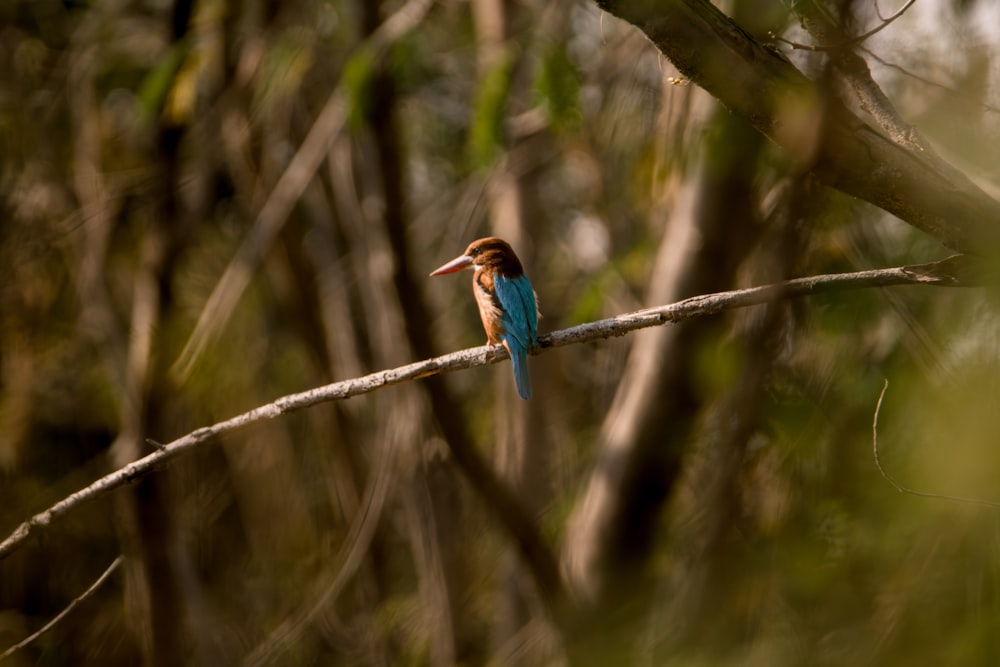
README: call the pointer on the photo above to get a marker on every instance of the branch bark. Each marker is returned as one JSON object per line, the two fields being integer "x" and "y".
{"x": 955, "y": 271}
{"x": 762, "y": 86}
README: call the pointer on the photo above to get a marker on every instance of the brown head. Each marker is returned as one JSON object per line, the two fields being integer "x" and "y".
{"x": 491, "y": 252}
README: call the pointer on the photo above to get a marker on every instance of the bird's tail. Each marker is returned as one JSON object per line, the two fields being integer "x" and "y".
{"x": 519, "y": 359}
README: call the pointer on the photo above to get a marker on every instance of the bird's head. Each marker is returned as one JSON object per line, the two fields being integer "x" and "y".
{"x": 493, "y": 253}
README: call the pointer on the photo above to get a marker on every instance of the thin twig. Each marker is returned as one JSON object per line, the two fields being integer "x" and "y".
{"x": 847, "y": 42}
{"x": 951, "y": 272}
{"x": 70, "y": 607}
{"x": 885, "y": 22}
{"x": 904, "y": 489}
{"x": 951, "y": 90}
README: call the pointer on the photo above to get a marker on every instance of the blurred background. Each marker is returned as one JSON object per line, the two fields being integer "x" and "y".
{"x": 205, "y": 205}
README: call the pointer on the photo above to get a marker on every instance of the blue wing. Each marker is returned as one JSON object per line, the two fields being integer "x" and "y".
{"x": 519, "y": 314}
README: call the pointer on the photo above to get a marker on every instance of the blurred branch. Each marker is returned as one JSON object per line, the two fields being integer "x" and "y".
{"x": 763, "y": 86}
{"x": 70, "y": 607}
{"x": 876, "y": 103}
{"x": 955, "y": 271}
{"x": 292, "y": 183}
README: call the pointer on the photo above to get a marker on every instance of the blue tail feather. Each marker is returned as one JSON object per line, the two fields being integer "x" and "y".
{"x": 519, "y": 359}
{"x": 519, "y": 315}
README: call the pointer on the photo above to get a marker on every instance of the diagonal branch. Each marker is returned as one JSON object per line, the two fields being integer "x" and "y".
{"x": 955, "y": 271}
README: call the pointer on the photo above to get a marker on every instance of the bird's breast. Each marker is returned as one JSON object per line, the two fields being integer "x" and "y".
{"x": 490, "y": 310}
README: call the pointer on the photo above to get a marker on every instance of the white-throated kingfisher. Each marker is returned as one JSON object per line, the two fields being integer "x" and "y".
{"x": 507, "y": 303}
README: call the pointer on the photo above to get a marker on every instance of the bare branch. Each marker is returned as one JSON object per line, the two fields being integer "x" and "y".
{"x": 70, "y": 607}
{"x": 955, "y": 271}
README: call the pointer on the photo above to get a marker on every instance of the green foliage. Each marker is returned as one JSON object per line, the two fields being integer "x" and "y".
{"x": 158, "y": 82}
{"x": 557, "y": 86}
{"x": 589, "y": 304}
{"x": 408, "y": 61}
{"x": 486, "y": 130}
{"x": 357, "y": 82}
{"x": 287, "y": 62}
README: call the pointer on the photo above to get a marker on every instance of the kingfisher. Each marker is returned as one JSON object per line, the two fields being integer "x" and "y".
{"x": 507, "y": 302}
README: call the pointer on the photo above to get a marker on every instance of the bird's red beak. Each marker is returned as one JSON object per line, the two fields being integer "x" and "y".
{"x": 457, "y": 264}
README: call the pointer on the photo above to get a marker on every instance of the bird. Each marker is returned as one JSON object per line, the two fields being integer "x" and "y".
{"x": 508, "y": 305}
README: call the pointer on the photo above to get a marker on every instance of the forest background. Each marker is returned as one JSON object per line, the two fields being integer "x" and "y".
{"x": 205, "y": 205}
